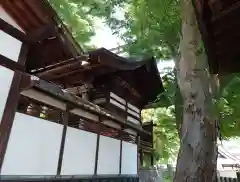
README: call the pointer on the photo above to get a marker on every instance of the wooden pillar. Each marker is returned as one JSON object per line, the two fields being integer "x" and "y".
{"x": 97, "y": 147}
{"x": 11, "y": 105}
{"x": 120, "y": 158}
{"x": 64, "y": 121}
{"x": 141, "y": 157}
{"x": 152, "y": 159}
{"x": 238, "y": 176}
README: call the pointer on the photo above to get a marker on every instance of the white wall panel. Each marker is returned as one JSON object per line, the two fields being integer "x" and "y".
{"x": 129, "y": 158}
{"x": 6, "y": 76}
{"x": 9, "y": 46}
{"x": 109, "y": 155}
{"x": 79, "y": 152}
{"x": 33, "y": 147}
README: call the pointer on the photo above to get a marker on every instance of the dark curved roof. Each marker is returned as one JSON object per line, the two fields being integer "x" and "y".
{"x": 120, "y": 63}
{"x": 142, "y": 74}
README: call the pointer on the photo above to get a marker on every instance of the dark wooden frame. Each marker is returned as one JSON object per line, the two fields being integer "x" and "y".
{"x": 13, "y": 99}
{"x": 11, "y": 104}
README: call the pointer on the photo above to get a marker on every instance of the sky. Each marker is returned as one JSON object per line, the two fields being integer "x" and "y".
{"x": 105, "y": 38}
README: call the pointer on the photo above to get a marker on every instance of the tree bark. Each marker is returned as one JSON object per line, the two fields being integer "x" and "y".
{"x": 198, "y": 148}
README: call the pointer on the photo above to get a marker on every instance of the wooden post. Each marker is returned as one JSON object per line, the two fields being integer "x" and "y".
{"x": 64, "y": 119}
{"x": 120, "y": 158}
{"x": 97, "y": 147}
{"x": 238, "y": 176}
{"x": 11, "y": 105}
{"x": 152, "y": 159}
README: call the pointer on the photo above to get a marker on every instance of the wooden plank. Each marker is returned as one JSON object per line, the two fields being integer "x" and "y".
{"x": 12, "y": 31}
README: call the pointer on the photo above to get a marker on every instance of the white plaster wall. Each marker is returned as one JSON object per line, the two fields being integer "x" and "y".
{"x": 9, "y": 46}
{"x": 109, "y": 156}
{"x": 33, "y": 147}
{"x": 129, "y": 158}
{"x": 6, "y": 76}
{"x": 79, "y": 152}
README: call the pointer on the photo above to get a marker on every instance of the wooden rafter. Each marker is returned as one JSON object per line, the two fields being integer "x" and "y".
{"x": 127, "y": 86}
{"x": 71, "y": 73}
{"x": 60, "y": 64}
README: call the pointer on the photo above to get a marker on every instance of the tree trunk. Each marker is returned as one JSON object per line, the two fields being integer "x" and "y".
{"x": 198, "y": 148}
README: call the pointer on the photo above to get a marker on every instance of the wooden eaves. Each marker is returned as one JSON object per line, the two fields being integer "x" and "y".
{"x": 31, "y": 82}
{"x": 50, "y": 40}
{"x": 219, "y": 26}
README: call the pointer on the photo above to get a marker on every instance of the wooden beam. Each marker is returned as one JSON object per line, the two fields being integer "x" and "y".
{"x": 12, "y": 31}
{"x": 71, "y": 43}
{"x": 60, "y": 63}
{"x": 71, "y": 73}
{"x": 60, "y": 68}
{"x": 10, "y": 64}
{"x": 225, "y": 12}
